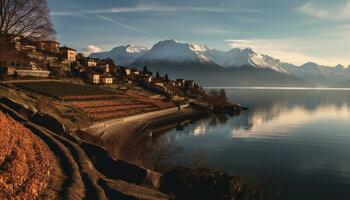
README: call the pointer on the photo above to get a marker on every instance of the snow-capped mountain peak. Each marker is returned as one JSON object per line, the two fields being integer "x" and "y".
{"x": 122, "y": 55}
{"x": 175, "y": 53}
{"x": 238, "y": 57}
{"x": 135, "y": 49}
{"x": 172, "y": 50}
{"x": 198, "y": 47}
{"x": 266, "y": 62}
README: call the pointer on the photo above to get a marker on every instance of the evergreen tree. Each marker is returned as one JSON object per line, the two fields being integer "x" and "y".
{"x": 157, "y": 76}
{"x": 145, "y": 70}
{"x": 166, "y": 78}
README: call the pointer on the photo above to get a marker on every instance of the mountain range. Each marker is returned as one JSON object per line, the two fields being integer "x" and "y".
{"x": 236, "y": 67}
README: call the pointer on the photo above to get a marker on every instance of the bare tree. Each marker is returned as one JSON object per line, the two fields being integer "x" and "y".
{"x": 28, "y": 19}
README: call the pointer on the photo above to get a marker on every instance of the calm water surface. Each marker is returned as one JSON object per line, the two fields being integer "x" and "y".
{"x": 300, "y": 137}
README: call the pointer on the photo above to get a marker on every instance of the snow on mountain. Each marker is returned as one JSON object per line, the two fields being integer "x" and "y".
{"x": 233, "y": 58}
{"x": 267, "y": 62}
{"x": 170, "y": 52}
{"x": 122, "y": 55}
{"x": 246, "y": 57}
{"x": 308, "y": 71}
{"x": 174, "y": 51}
{"x": 314, "y": 72}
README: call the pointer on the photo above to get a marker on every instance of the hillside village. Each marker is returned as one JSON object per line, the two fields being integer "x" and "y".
{"x": 77, "y": 127}
{"x": 47, "y": 59}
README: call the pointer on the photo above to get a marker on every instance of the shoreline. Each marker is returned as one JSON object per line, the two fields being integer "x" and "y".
{"x": 281, "y": 88}
{"x": 119, "y": 139}
{"x": 107, "y": 125}
{"x": 117, "y": 160}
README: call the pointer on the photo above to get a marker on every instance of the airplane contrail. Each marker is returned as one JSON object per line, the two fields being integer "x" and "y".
{"x": 113, "y": 21}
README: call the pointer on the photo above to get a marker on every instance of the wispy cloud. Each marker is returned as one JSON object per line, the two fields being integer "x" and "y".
{"x": 211, "y": 31}
{"x": 338, "y": 12}
{"x": 65, "y": 13}
{"x": 91, "y": 49}
{"x": 113, "y": 20}
{"x": 158, "y": 8}
{"x": 145, "y": 8}
{"x": 291, "y": 50}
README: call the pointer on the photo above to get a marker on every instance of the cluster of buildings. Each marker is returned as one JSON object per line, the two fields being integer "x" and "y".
{"x": 45, "y": 58}
{"x": 36, "y": 58}
{"x": 103, "y": 72}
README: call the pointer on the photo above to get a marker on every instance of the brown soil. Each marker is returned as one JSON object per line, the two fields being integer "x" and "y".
{"x": 25, "y": 161}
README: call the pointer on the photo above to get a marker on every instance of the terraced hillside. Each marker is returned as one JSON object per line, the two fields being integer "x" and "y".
{"x": 97, "y": 103}
{"x": 101, "y": 108}
{"x": 36, "y": 163}
{"x": 61, "y": 89}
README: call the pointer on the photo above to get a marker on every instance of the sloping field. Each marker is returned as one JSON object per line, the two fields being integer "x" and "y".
{"x": 117, "y": 106}
{"x": 97, "y": 103}
{"x": 62, "y": 89}
{"x": 25, "y": 161}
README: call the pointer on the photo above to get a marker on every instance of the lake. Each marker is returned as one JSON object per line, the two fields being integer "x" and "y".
{"x": 299, "y": 136}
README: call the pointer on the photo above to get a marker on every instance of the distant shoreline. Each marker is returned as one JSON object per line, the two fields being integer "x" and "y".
{"x": 279, "y": 88}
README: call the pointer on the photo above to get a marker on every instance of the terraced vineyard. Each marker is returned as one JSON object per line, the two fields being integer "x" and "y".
{"x": 117, "y": 106}
{"x": 97, "y": 103}
{"x": 63, "y": 90}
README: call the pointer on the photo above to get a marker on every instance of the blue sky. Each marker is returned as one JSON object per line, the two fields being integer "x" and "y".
{"x": 294, "y": 31}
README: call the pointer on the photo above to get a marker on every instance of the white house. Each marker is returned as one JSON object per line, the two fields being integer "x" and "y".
{"x": 106, "y": 80}
{"x": 148, "y": 79}
{"x": 91, "y": 62}
{"x": 125, "y": 71}
{"x": 95, "y": 78}
{"x": 180, "y": 82}
{"x": 68, "y": 53}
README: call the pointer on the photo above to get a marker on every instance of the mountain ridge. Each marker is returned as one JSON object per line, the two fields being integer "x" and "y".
{"x": 177, "y": 58}
{"x": 122, "y": 55}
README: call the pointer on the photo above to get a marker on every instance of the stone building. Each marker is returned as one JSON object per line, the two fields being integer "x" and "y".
{"x": 48, "y": 46}
{"x": 68, "y": 53}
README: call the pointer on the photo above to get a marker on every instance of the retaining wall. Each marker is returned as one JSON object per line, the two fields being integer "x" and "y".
{"x": 153, "y": 114}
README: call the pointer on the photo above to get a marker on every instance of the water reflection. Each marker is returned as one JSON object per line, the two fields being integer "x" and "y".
{"x": 291, "y": 118}
{"x": 302, "y": 137}
{"x": 275, "y": 111}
